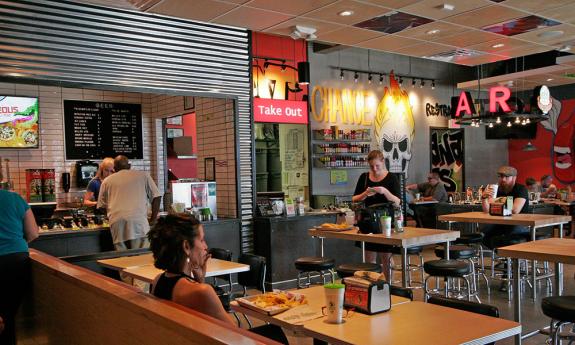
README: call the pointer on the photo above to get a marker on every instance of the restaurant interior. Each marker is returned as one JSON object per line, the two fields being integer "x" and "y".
{"x": 258, "y": 118}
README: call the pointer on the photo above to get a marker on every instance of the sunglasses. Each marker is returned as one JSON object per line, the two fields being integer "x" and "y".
{"x": 347, "y": 312}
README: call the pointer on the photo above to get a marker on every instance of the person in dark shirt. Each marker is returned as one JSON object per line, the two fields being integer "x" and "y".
{"x": 433, "y": 189}
{"x": 507, "y": 178}
{"x": 375, "y": 187}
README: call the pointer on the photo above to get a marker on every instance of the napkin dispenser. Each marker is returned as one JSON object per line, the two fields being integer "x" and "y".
{"x": 367, "y": 296}
{"x": 502, "y": 206}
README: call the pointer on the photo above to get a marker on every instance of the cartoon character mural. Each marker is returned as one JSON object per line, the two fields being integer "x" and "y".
{"x": 561, "y": 121}
{"x": 394, "y": 127}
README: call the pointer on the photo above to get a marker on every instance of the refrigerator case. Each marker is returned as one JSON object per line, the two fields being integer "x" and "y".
{"x": 196, "y": 195}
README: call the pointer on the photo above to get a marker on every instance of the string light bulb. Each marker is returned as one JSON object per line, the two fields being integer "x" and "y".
{"x": 498, "y": 120}
{"x": 517, "y": 120}
{"x": 490, "y": 124}
{"x": 508, "y": 123}
{"x": 528, "y": 121}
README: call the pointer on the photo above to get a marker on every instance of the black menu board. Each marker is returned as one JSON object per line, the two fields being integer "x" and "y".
{"x": 103, "y": 129}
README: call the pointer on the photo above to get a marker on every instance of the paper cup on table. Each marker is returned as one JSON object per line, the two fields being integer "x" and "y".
{"x": 385, "y": 225}
{"x": 334, "y": 294}
{"x": 417, "y": 196}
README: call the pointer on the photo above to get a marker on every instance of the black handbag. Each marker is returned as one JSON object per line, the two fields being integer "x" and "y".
{"x": 368, "y": 218}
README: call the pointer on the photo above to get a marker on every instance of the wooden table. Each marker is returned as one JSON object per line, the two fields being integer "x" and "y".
{"x": 532, "y": 221}
{"x": 414, "y": 323}
{"x": 215, "y": 267}
{"x": 316, "y": 300}
{"x": 410, "y": 237}
{"x": 124, "y": 262}
{"x": 557, "y": 250}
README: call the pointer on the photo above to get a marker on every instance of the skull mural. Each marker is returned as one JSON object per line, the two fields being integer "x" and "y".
{"x": 394, "y": 127}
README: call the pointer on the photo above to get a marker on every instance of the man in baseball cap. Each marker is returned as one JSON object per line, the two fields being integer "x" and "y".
{"x": 507, "y": 178}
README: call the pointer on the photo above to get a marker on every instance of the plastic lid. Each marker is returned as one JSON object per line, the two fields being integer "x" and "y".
{"x": 334, "y": 286}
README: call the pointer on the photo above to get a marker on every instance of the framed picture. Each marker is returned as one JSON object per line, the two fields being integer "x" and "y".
{"x": 189, "y": 102}
{"x": 447, "y": 157}
{"x": 210, "y": 168}
{"x": 174, "y": 120}
{"x": 174, "y": 132}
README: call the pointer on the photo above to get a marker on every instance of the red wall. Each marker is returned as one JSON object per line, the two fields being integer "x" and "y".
{"x": 279, "y": 47}
{"x": 186, "y": 168}
{"x": 542, "y": 161}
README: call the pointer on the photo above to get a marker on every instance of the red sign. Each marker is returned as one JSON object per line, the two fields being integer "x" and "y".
{"x": 498, "y": 95}
{"x": 280, "y": 111}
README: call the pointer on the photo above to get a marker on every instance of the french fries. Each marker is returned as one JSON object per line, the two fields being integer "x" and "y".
{"x": 279, "y": 299}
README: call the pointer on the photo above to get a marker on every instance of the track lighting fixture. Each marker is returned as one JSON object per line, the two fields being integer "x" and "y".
{"x": 341, "y": 76}
{"x": 421, "y": 83}
{"x": 369, "y": 79}
{"x": 401, "y": 81}
{"x": 413, "y": 82}
{"x": 380, "y": 79}
{"x": 433, "y": 84}
{"x": 356, "y": 77}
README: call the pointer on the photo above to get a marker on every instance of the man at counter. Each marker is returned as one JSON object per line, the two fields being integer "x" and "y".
{"x": 548, "y": 189}
{"x": 495, "y": 235}
{"x": 433, "y": 189}
{"x": 125, "y": 195}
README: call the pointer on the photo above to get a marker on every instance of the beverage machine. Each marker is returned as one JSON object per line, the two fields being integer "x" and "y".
{"x": 197, "y": 197}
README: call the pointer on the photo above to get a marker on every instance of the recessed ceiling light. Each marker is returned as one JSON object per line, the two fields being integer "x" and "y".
{"x": 446, "y": 7}
{"x": 498, "y": 45}
{"x": 550, "y": 34}
{"x": 565, "y": 48}
{"x": 345, "y": 13}
{"x": 432, "y": 32}
{"x": 549, "y": 79}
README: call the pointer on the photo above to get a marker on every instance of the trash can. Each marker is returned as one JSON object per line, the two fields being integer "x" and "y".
{"x": 262, "y": 182}
{"x": 275, "y": 182}
{"x": 261, "y": 161}
{"x": 274, "y": 163}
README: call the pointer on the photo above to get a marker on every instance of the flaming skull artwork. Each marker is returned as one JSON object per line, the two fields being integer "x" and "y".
{"x": 394, "y": 127}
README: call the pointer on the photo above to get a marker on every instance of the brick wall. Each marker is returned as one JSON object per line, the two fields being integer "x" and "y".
{"x": 215, "y": 136}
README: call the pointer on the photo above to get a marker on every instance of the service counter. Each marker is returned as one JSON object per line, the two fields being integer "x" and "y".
{"x": 284, "y": 239}
{"x": 220, "y": 233}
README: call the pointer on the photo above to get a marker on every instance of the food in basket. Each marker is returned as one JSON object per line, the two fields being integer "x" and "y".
{"x": 279, "y": 299}
{"x": 333, "y": 226}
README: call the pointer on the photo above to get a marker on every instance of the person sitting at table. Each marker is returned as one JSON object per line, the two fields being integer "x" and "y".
{"x": 548, "y": 189}
{"x": 105, "y": 169}
{"x": 532, "y": 185}
{"x": 433, "y": 189}
{"x": 375, "y": 187}
{"x": 508, "y": 186}
{"x": 179, "y": 248}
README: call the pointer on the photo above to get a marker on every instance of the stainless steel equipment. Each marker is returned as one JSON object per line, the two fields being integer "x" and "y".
{"x": 196, "y": 195}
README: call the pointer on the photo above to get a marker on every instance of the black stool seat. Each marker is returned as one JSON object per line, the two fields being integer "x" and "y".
{"x": 347, "y": 270}
{"x": 560, "y": 308}
{"x": 455, "y": 252}
{"x": 470, "y": 238}
{"x": 397, "y": 250}
{"x": 446, "y": 268}
{"x": 314, "y": 263}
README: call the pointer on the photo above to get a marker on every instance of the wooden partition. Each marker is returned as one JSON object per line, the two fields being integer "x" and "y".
{"x": 72, "y": 305}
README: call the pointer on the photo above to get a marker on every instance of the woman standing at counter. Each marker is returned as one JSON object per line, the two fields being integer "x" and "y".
{"x": 375, "y": 187}
{"x": 105, "y": 169}
{"x": 17, "y": 228}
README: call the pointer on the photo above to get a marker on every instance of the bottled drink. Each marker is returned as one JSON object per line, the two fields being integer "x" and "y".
{"x": 468, "y": 194}
{"x": 397, "y": 219}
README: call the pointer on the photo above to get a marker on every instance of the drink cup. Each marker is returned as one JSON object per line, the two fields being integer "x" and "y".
{"x": 494, "y": 188}
{"x": 417, "y": 196}
{"x": 385, "y": 225}
{"x": 334, "y": 294}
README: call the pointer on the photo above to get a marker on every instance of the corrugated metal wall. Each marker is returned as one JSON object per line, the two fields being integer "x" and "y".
{"x": 72, "y": 44}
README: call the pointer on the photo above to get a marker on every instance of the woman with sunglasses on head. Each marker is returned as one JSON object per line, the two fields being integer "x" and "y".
{"x": 375, "y": 187}
{"x": 180, "y": 249}
{"x": 105, "y": 169}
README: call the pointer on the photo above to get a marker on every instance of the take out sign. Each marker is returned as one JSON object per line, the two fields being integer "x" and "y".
{"x": 280, "y": 111}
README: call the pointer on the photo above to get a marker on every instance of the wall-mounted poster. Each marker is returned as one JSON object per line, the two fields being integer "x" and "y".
{"x": 447, "y": 157}
{"x": 19, "y": 122}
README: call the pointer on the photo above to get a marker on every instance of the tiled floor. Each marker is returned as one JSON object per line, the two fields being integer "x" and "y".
{"x": 533, "y": 318}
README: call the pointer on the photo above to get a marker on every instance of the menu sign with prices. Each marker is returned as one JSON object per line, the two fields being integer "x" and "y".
{"x": 95, "y": 130}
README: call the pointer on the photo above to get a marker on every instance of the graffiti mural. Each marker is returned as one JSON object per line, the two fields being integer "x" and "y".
{"x": 394, "y": 127}
{"x": 447, "y": 152}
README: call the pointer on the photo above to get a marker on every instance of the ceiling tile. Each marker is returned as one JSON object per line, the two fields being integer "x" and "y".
{"x": 348, "y": 36}
{"x": 485, "y": 16}
{"x": 432, "y": 8}
{"x": 526, "y": 50}
{"x": 468, "y": 38}
{"x": 251, "y": 18}
{"x": 294, "y": 7}
{"x": 538, "y": 36}
{"x": 425, "y": 49}
{"x": 395, "y": 4}
{"x": 389, "y": 43}
{"x": 426, "y": 32}
{"x": 565, "y": 14}
{"x": 479, "y": 60}
{"x": 360, "y": 10}
{"x": 239, "y": 2}
{"x": 499, "y": 45}
{"x": 535, "y": 6}
{"x": 203, "y": 10}
{"x": 285, "y": 28}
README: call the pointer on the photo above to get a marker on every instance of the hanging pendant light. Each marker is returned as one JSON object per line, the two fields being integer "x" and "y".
{"x": 529, "y": 147}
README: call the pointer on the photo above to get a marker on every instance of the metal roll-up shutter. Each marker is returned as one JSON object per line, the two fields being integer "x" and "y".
{"x": 81, "y": 45}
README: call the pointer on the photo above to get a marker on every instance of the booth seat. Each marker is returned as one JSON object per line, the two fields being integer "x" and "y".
{"x": 68, "y": 304}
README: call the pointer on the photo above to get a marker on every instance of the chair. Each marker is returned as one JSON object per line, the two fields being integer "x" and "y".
{"x": 473, "y": 307}
{"x": 254, "y": 278}
{"x": 561, "y": 310}
{"x": 401, "y": 292}
{"x": 309, "y": 264}
{"x": 222, "y": 254}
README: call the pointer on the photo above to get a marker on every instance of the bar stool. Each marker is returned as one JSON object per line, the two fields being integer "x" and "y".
{"x": 309, "y": 264}
{"x": 347, "y": 270}
{"x": 561, "y": 310}
{"x": 448, "y": 269}
{"x": 466, "y": 254}
{"x": 411, "y": 251}
{"x": 475, "y": 240}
